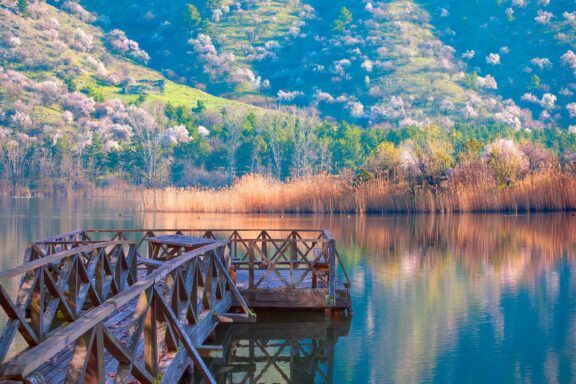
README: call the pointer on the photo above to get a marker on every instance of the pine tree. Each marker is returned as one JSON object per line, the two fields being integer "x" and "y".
{"x": 192, "y": 17}
{"x": 344, "y": 18}
{"x": 23, "y": 7}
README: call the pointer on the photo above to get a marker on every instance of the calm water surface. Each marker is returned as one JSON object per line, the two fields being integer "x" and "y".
{"x": 485, "y": 298}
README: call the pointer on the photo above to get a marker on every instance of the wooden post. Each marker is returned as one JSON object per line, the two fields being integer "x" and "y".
{"x": 251, "y": 264}
{"x": 293, "y": 258}
{"x": 332, "y": 272}
{"x": 37, "y": 304}
{"x": 151, "y": 353}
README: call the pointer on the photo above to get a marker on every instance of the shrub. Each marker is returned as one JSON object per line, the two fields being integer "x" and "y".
{"x": 506, "y": 160}
{"x": 118, "y": 42}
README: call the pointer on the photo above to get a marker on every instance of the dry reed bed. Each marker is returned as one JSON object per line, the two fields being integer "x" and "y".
{"x": 550, "y": 189}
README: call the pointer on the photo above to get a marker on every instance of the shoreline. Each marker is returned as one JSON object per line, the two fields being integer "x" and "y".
{"x": 542, "y": 192}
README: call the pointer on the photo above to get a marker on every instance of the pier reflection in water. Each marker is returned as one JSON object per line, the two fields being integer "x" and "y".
{"x": 279, "y": 348}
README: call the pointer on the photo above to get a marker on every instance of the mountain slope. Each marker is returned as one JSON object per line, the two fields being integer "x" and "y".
{"x": 52, "y": 43}
{"x": 528, "y": 46}
{"x": 396, "y": 63}
{"x": 77, "y": 102}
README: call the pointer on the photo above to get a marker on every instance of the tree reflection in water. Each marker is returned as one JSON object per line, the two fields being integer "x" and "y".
{"x": 461, "y": 298}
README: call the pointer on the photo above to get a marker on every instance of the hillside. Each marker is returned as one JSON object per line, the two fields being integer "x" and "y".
{"x": 51, "y": 43}
{"x": 397, "y": 63}
{"x": 69, "y": 91}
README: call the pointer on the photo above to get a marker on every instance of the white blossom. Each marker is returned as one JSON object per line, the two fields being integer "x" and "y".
{"x": 571, "y": 108}
{"x": 355, "y": 108}
{"x": 548, "y": 101}
{"x": 203, "y": 131}
{"x": 82, "y": 40}
{"x": 487, "y": 82}
{"x": 543, "y": 17}
{"x": 288, "y": 95}
{"x": 530, "y": 98}
{"x": 176, "y": 135}
{"x": 569, "y": 59}
{"x": 541, "y": 62}
{"x": 469, "y": 54}
{"x": 493, "y": 59}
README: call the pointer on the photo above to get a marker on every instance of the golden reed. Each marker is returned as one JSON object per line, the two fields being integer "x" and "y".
{"x": 549, "y": 189}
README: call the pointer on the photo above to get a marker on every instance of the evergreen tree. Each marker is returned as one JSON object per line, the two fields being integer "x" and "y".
{"x": 344, "y": 18}
{"x": 192, "y": 17}
{"x": 23, "y": 7}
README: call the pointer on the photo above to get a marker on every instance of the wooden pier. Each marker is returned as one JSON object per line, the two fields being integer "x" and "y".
{"x": 125, "y": 306}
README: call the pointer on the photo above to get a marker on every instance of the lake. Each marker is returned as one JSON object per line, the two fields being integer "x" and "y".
{"x": 436, "y": 299}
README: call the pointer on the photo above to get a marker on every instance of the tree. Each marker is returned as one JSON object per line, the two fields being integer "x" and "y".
{"x": 252, "y": 144}
{"x": 273, "y": 128}
{"x": 200, "y": 107}
{"x": 192, "y": 17}
{"x": 231, "y": 131}
{"x": 427, "y": 156}
{"x": 23, "y": 7}
{"x": 214, "y": 4}
{"x": 347, "y": 147}
{"x": 384, "y": 159}
{"x": 304, "y": 131}
{"x": 344, "y": 18}
{"x": 148, "y": 138}
{"x": 507, "y": 161}
{"x": 15, "y": 156}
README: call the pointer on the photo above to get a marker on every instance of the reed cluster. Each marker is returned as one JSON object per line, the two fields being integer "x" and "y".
{"x": 469, "y": 189}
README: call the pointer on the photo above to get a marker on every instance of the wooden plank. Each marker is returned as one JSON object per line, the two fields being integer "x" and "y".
{"x": 180, "y": 240}
{"x": 183, "y": 336}
{"x": 234, "y": 318}
{"x": 211, "y": 351}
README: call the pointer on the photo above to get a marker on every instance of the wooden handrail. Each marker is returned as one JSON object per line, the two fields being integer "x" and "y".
{"x": 42, "y": 261}
{"x": 266, "y": 245}
{"x": 148, "y": 292}
{"x": 56, "y": 288}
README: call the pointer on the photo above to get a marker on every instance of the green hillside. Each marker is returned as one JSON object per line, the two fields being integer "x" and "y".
{"x": 396, "y": 63}
{"x": 40, "y": 56}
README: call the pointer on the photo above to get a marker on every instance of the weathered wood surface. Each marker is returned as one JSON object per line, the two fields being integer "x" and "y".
{"x": 57, "y": 288}
{"x": 245, "y": 244}
{"x": 166, "y": 247}
{"x": 124, "y": 305}
{"x": 180, "y": 240}
{"x": 169, "y": 312}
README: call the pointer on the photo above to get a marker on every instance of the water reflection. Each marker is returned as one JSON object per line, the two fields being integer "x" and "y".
{"x": 474, "y": 298}
{"x": 279, "y": 348}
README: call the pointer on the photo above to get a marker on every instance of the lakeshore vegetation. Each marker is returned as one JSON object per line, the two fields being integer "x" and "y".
{"x": 379, "y": 123}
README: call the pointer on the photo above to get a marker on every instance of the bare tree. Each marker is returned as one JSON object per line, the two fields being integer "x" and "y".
{"x": 232, "y": 127}
{"x": 274, "y": 128}
{"x": 15, "y": 156}
{"x": 304, "y": 140}
{"x": 148, "y": 128}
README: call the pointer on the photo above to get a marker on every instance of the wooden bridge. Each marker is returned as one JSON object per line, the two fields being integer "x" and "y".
{"x": 139, "y": 305}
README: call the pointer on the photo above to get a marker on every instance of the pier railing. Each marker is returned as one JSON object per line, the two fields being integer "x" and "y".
{"x": 175, "y": 306}
{"x": 56, "y": 288}
{"x": 305, "y": 254}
